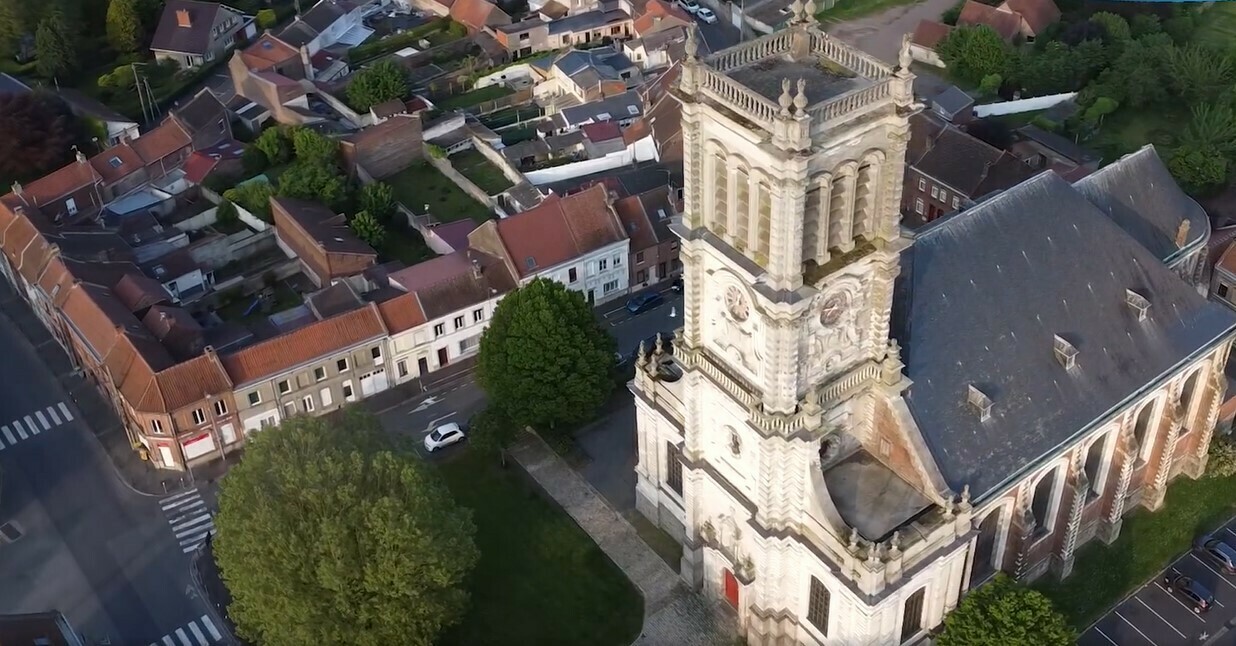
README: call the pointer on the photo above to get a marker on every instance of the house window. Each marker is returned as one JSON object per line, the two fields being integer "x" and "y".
{"x": 468, "y": 345}
{"x": 459, "y": 322}
{"x": 285, "y": 387}
{"x": 639, "y": 257}
{"x": 307, "y": 402}
{"x": 912, "y": 616}
{"x": 571, "y": 274}
{"x": 617, "y": 261}
{"x": 641, "y": 276}
{"x": 817, "y": 606}
{"x": 156, "y": 426}
{"x": 348, "y": 395}
{"x": 602, "y": 264}
{"x": 403, "y": 368}
{"x": 1222, "y": 291}
{"x": 673, "y": 468}
{"x": 935, "y": 192}
{"x": 615, "y": 30}
{"x": 439, "y": 330}
{"x": 255, "y": 398}
{"x": 922, "y": 184}
{"x": 956, "y": 202}
{"x": 342, "y": 365}
{"x": 523, "y": 36}
{"x": 289, "y": 409}
{"x": 609, "y": 287}
{"x": 376, "y": 353}
{"x": 944, "y": 196}
{"x": 478, "y": 316}
{"x": 199, "y": 416}
{"x": 220, "y": 408}
{"x": 319, "y": 373}
{"x": 918, "y": 205}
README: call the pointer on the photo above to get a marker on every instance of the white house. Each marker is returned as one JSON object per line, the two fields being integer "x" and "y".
{"x": 329, "y": 22}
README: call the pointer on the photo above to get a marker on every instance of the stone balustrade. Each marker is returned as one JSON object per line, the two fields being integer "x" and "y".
{"x": 857, "y": 61}
{"x": 757, "y": 109}
{"x": 750, "y": 52}
{"x": 851, "y": 102}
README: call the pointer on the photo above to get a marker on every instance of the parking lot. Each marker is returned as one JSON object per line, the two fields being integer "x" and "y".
{"x": 1154, "y": 616}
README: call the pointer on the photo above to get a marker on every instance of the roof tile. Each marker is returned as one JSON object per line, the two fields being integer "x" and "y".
{"x": 313, "y": 341}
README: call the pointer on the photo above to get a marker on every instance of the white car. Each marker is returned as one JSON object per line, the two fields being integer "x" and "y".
{"x": 444, "y": 436}
{"x": 705, "y": 14}
{"x": 690, "y": 6}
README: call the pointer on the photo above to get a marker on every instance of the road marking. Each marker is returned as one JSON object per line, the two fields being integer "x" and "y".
{"x": 167, "y": 639}
{"x": 189, "y": 519}
{"x": 1229, "y": 530}
{"x": 1177, "y": 600}
{"x": 51, "y": 412}
{"x": 20, "y": 431}
{"x": 1207, "y": 566}
{"x": 1169, "y": 624}
{"x": 178, "y": 496}
{"x": 425, "y": 404}
{"x": 42, "y": 420}
{"x": 1104, "y": 635}
{"x": 210, "y": 628}
{"x": 8, "y": 434}
{"x": 183, "y": 501}
{"x": 434, "y": 424}
{"x": 184, "y": 639}
{"x": 65, "y": 409}
{"x": 30, "y": 423}
{"x": 1134, "y": 627}
{"x": 190, "y": 526}
{"x": 201, "y": 639}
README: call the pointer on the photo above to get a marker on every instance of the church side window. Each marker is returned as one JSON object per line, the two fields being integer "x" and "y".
{"x": 720, "y": 203}
{"x": 912, "y": 616}
{"x": 764, "y": 223}
{"x": 742, "y": 208}
{"x": 673, "y": 468}
{"x": 817, "y": 606}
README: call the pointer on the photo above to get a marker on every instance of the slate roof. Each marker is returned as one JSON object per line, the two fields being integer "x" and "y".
{"x": 970, "y": 165}
{"x": 1138, "y": 193}
{"x": 952, "y": 102}
{"x": 11, "y": 85}
{"x": 327, "y": 229}
{"x": 586, "y": 21}
{"x": 1061, "y": 145}
{"x": 981, "y": 296}
{"x": 623, "y": 106}
{"x": 169, "y": 36}
{"x": 84, "y": 105}
{"x": 448, "y": 284}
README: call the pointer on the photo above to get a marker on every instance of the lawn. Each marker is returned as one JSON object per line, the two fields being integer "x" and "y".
{"x": 1104, "y": 574}
{"x": 469, "y": 99}
{"x": 508, "y": 116}
{"x": 1218, "y": 25}
{"x": 405, "y": 245}
{"x": 422, "y": 184}
{"x": 1129, "y": 129}
{"x": 851, "y": 9}
{"x": 540, "y": 579}
{"x": 481, "y": 171}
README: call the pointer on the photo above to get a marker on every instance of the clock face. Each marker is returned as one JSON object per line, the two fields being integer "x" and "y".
{"x": 736, "y": 304}
{"x": 832, "y": 309}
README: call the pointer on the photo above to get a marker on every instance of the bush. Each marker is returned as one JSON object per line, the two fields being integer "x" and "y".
{"x": 1045, "y": 123}
{"x": 253, "y": 197}
{"x": 227, "y": 213}
{"x": 220, "y": 182}
{"x": 266, "y": 18}
{"x": 254, "y": 161}
{"x": 1222, "y": 463}
{"x": 950, "y": 17}
{"x": 435, "y": 151}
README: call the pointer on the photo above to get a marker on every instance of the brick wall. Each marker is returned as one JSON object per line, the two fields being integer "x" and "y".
{"x": 386, "y": 148}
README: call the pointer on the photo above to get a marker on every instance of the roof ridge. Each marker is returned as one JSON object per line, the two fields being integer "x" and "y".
{"x": 943, "y": 222}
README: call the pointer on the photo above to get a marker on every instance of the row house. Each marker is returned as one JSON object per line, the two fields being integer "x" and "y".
{"x": 312, "y": 370}
{"x": 654, "y": 248}
{"x": 321, "y": 239}
{"x": 327, "y": 23}
{"x": 445, "y": 306}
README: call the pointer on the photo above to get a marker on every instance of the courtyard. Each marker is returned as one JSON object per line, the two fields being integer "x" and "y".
{"x": 421, "y": 185}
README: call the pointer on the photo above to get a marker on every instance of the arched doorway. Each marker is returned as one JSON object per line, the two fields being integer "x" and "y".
{"x": 985, "y": 549}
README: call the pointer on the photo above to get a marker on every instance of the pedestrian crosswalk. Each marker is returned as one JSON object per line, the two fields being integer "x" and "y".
{"x": 190, "y": 519}
{"x": 30, "y": 425}
{"x": 192, "y": 634}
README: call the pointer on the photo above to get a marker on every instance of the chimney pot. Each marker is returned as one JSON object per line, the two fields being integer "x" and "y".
{"x": 1182, "y": 233}
{"x": 183, "y": 19}
{"x": 16, "y": 188}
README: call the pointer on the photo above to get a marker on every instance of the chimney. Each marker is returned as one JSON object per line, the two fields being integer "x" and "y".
{"x": 81, "y": 158}
{"x": 307, "y": 61}
{"x": 17, "y": 189}
{"x": 476, "y": 269}
{"x": 1182, "y": 233}
{"x": 183, "y": 19}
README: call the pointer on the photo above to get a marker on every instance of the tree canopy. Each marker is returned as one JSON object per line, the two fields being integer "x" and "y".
{"x": 315, "y": 181}
{"x": 544, "y": 361}
{"x": 974, "y": 52}
{"x": 55, "y": 47}
{"x": 37, "y": 135}
{"x": 378, "y": 198}
{"x": 379, "y": 82}
{"x": 330, "y": 534}
{"x": 274, "y": 143}
{"x": 124, "y": 25}
{"x": 1002, "y": 612}
{"x": 367, "y": 228}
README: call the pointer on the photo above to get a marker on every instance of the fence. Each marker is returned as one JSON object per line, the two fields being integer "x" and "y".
{"x": 497, "y": 159}
{"x": 219, "y": 250}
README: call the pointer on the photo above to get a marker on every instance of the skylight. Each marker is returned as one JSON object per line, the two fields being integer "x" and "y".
{"x": 115, "y": 162}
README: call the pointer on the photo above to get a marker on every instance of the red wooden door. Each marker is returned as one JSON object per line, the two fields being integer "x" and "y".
{"x": 731, "y": 588}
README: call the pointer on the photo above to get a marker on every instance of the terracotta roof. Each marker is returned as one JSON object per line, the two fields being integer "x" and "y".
{"x": 1006, "y": 25}
{"x": 636, "y": 131}
{"x": 139, "y": 292}
{"x": 382, "y": 131}
{"x": 116, "y": 163}
{"x": 477, "y": 13}
{"x": 266, "y": 52}
{"x": 402, "y": 313}
{"x": 929, "y": 33}
{"x": 68, "y": 178}
{"x": 601, "y": 131}
{"x": 162, "y": 141}
{"x": 1038, "y": 14}
{"x": 455, "y": 281}
{"x": 560, "y": 229}
{"x": 669, "y": 14}
{"x": 314, "y": 341}
{"x": 190, "y": 382}
{"x": 169, "y": 36}
{"x": 639, "y": 228}
{"x": 553, "y": 10}
{"x": 198, "y": 166}
{"x": 176, "y": 329}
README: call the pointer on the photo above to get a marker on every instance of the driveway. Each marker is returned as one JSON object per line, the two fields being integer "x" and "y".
{"x": 880, "y": 34}
{"x": 1152, "y": 616}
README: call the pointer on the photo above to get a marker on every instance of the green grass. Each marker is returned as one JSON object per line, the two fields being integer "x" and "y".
{"x": 508, "y": 116}
{"x": 540, "y": 579}
{"x": 481, "y": 171}
{"x": 1129, "y": 129}
{"x": 1217, "y": 26}
{"x": 422, "y": 184}
{"x": 405, "y": 245}
{"x": 1104, "y": 574}
{"x": 475, "y": 97}
{"x": 851, "y": 9}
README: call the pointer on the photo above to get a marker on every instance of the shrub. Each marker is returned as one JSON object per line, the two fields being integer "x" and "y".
{"x": 266, "y": 18}
{"x": 1222, "y": 462}
{"x": 254, "y": 161}
{"x": 227, "y": 213}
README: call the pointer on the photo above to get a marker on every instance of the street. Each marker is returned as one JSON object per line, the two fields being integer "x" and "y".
{"x": 88, "y": 545}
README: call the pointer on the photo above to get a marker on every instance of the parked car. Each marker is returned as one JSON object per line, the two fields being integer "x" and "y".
{"x": 689, "y": 6}
{"x": 643, "y": 302}
{"x": 444, "y": 436}
{"x": 676, "y": 285}
{"x": 1218, "y": 552}
{"x": 706, "y": 15}
{"x": 1194, "y": 594}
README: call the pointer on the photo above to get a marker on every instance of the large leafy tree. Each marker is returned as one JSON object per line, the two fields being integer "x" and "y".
{"x": 273, "y": 142}
{"x": 974, "y": 52}
{"x": 315, "y": 181}
{"x": 124, "y": 25}
{"x": 1200, "y": 73}
{"x": 378, "y": 198}
{"x": 328, "y": 533}
{"x": 367, "y": 228}
{"x": 14, "y": 23}
{"x": 37, "y": 135}
{"x": 379, "y": 82}
{"x": 311, "y": 147}
{"x": 544, "y": 360}
{"x": 55, "y": 46}
{"x": 1002, "y": 612}
{"x": 1141, "y": 75}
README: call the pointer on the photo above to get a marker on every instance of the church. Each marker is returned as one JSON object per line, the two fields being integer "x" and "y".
{"x": 857, "y": 424}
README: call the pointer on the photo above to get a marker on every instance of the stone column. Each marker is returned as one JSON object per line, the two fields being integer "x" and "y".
{"x": 1201, "y": 453}
{"x": 1158, "y": 489}
{"x": 1126, "y": 453}
{"x": 1063, "y": 559}
{"x": 1025, "y": 527}
{"x": 786, "y": 223}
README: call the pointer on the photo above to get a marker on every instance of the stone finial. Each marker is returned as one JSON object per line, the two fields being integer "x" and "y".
{"x": 692, "y": 46}
{"x": 894, "y": 545}
{"x": 873, "y": 554}
{"x": 809, "y": 12}
{"x": 660, "y": 348}
{"x": 965, "y": 506}
{"x": 800, "y": 100}
{"x": 796, "y": 12}
{"x": 785, "y": 100}
{"x": 948, "y": 506}
{"x": 854, "y": 539}
{"x": 904, "y": 58}
{"x": 641, "y": 358}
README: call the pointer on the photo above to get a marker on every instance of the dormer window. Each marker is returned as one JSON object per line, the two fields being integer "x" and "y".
{"x": 1066, "y": 354}
{"x": 1137, "y": 303}
{"x": 980, "y": 402}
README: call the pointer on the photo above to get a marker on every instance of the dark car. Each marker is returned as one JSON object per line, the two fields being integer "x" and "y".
{"x": 1195, "y": 594}
{"x": 643, "y": 302}
{"x": 1217, "y": 551}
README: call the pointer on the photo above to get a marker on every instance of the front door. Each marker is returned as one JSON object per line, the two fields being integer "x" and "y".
{"x": 442, "y": 358}
{"x": 731, "y": 588}
{"x": 422, "y": 367}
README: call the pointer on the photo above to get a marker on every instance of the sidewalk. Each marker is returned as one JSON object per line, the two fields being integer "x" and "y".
{"x": 672, "y": 614}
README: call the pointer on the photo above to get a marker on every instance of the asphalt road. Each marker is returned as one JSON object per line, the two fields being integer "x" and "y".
{"x": 90, "y": 547}
{"x": 1154, "y": 617}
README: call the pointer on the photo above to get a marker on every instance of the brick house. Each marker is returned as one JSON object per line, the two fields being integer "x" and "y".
{"x": 194, "y": 33}
{"x": 320, "y": 238}
{"x": 654, "y": 248}
{"x": 384, "y": 149}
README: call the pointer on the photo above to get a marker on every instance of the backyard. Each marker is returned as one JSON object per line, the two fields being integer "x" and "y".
{"x": 481, "y": 171}
{"x": 474, "y": 97}
{"x": 540, "y": 579}
{"x": 233, "y": 306}
{"x": 1104, "y": 574}
{"x": 421, "y": 184}
{"x": 404, "y": 244}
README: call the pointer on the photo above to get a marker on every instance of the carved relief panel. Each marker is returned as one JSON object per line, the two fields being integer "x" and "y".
{"x": 836, "y": 327}
{"x": 732, "y": 325}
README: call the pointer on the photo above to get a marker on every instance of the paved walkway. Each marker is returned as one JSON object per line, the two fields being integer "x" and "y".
{"x": 880, "y": 34}
{"x": 672, "y": 614}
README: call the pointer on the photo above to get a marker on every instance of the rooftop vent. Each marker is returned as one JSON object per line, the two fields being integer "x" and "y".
{"x": 1066, "y": 354}
{"x": 115, "y": 162}
{"x": 159, "y": 270}
{"x": 980, "y": 402}
{"x": 1138, "y": 303}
